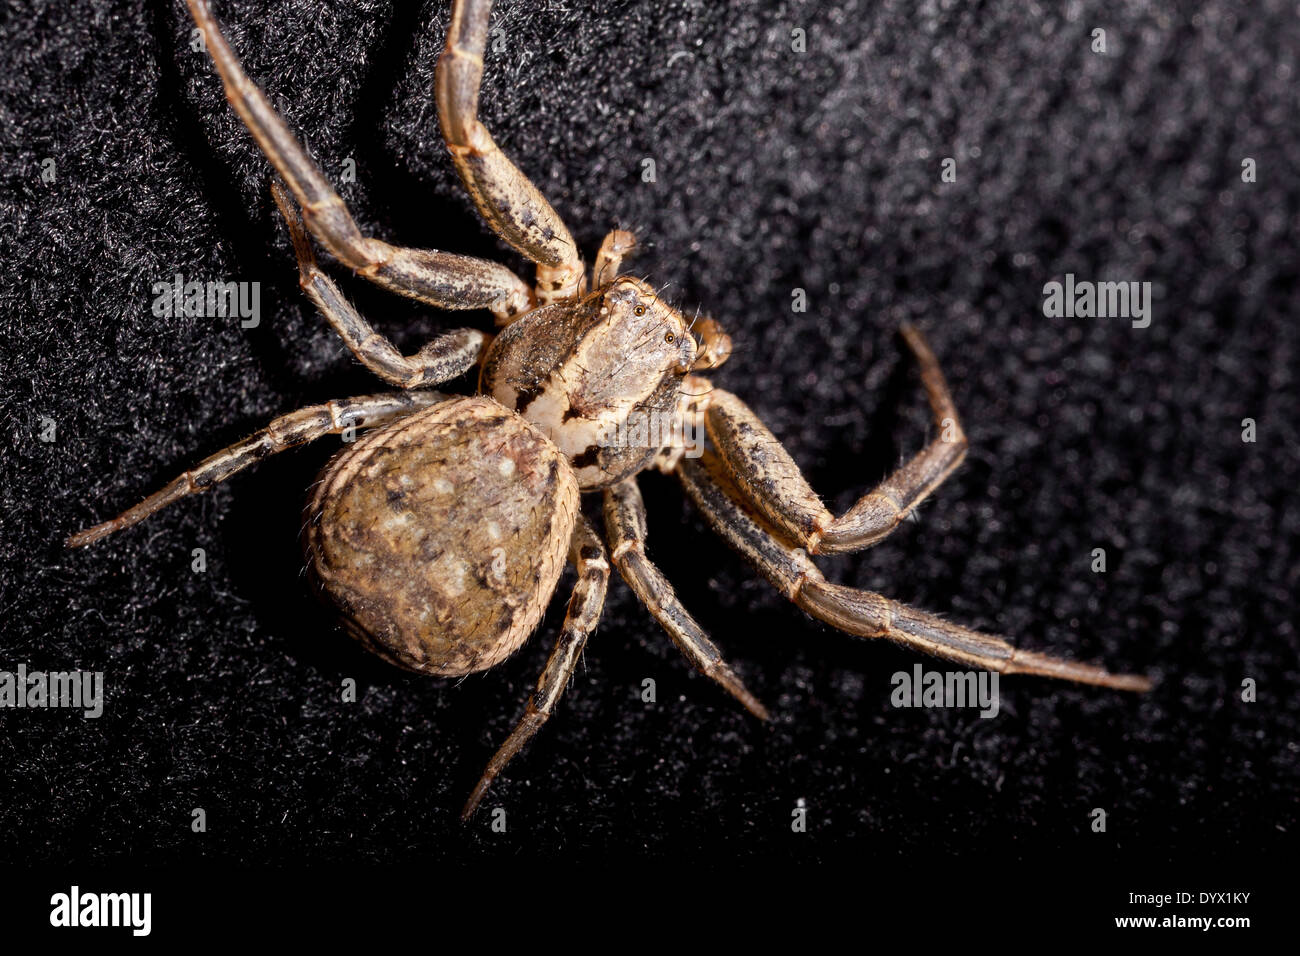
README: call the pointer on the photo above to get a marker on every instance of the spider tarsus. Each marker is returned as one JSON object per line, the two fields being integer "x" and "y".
{"x": 755, "y": 707}
{"x": 1044, "y": 665}
{"x": 102, "y": 530}
{"x": 728, "y": 679}
{"x": 475, "y": 798}
{"x": 89, "y": 535}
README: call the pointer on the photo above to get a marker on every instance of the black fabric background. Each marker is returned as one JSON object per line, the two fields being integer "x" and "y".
{"x": 775, "y": 171}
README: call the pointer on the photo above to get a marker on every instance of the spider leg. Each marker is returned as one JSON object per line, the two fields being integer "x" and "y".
{"x": 446, "y": 357}
{"x": 864, "y": 613}
{"x": 287, "y": 431}
{"x": 625, "y": 523}
{"x": 514, "y": 208}
{"x": 588, "y": 599}
{"x": 439, "y": 278}
{"x": 617, "y": 246}
{"x": 768, "y": 477}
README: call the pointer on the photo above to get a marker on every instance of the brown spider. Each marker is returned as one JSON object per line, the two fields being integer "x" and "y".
{"x": 441, "y": 534}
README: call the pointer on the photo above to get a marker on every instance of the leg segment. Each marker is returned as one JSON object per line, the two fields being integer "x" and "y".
{"x": 688, "y": 438}
{"x": 588, "y": 555}
{"x": 768, "y": 477}
{"x": 625, "y": 527}
{"x": 510, "y": 203}
{"x": 715, "y": 343}
{"x": 618, "y": 245}
{"x": 863, "y": 613}
{"x": 446, "y": 357}
{"x": 288, "y": 431}
{"x": 438, "y": 278}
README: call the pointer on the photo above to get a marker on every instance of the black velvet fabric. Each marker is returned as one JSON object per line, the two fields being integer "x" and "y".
{"x": 775, "y": 171}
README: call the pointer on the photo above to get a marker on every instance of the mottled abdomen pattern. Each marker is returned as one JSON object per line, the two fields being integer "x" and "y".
{"x": 440, "y": 538}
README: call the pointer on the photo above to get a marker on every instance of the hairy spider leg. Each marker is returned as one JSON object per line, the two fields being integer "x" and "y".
{"x": 509, "y": 202}
{"x": 441, "y": 279}
{"x": 764, "y": 471}
{"x": 585, "y": 605}
{"x": 446, "y": 357}
{"x": 287, "y": 431}
{"x": 864, "y": 613}
{"x": 625, "y": 524}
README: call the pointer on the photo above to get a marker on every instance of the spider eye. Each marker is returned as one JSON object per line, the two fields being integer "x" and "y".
{"x": 639, "y": 310}
{"x": 669, "y": 337}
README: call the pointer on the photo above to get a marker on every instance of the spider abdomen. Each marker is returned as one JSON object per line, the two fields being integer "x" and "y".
{"x": 440, "y": 538}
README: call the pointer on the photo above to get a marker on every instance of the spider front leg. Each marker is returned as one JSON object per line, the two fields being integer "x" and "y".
{"x": 618, "y": 245}
{"x": 864, "y": 613}
{"x": 438, "y": 278}
{"x": 625, "y": 526}
{"x": 588, "y": 599}
{"x": 446, "y": 357}
{"x": 767, "y": 475}
{"x": 509, "y": 202}
{"x": 288, "y": 431}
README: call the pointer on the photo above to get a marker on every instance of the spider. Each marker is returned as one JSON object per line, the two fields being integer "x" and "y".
{"x": 440, "y": 535}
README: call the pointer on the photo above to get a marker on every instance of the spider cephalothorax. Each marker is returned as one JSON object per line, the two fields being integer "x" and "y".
{"x": 582, "y": 370}
{"x": 441, "y": 534}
